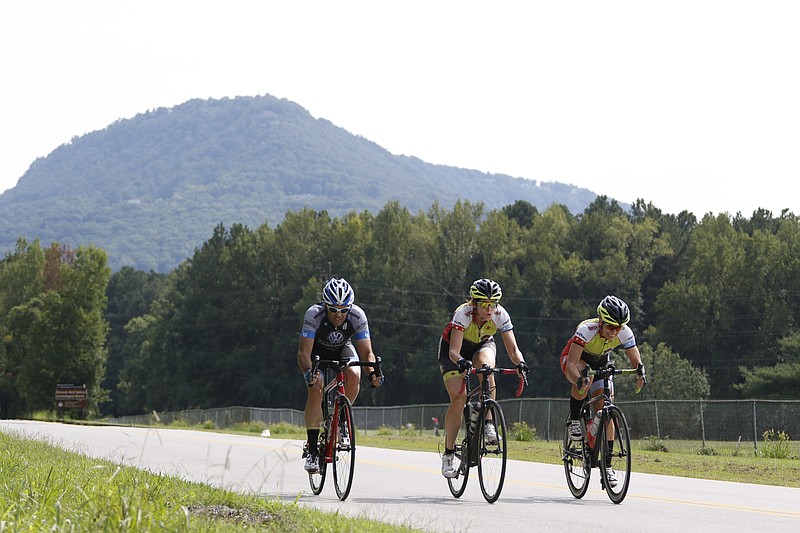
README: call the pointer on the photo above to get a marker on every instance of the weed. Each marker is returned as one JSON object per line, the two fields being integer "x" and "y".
{"x": 522, "y": 432}
{"x": 776, "y": 444}
{"x": 654, "y": 444}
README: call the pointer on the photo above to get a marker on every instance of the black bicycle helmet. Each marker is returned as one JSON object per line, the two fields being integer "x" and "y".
{"x": 337, "y": 292}
{"x": 613, "y": 311}
{"x": 485, "y": 289}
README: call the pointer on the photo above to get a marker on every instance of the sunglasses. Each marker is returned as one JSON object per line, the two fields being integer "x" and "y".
{"x": 487, "y": 304}
{"x": 611, "y": 327}
{"x": 336, "y": 310}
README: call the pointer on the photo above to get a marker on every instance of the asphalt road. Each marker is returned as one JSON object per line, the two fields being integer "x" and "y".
{"x": 406, "y": 488}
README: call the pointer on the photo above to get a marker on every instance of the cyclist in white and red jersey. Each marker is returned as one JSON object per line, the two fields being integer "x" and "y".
{"x": 469, "y": 340}
{"x": 591, "y": 345}
{"x": 329, "y": 327}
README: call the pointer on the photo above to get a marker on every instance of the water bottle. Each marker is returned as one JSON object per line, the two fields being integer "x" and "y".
{"x": 473, "y": 417}
{"x": 594, "y": 425}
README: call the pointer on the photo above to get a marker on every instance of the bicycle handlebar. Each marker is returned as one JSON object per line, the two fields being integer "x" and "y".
{"x": 485, "y": 369}
{"x": 341, "y": 365}
{"x": 610, "y": 370}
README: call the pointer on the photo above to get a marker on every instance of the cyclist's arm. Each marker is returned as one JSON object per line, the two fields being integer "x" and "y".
{"x": 510, "y": 342}
{"x": 366, "y": 355}
{"x": 636, "y": 359}
{"x": 304, "y": 353}
{"x": 456, "y": 341}
{"x": 574, "y": 362}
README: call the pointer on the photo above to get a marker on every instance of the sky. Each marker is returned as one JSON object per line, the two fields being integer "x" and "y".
{"x": 690, "y": 105}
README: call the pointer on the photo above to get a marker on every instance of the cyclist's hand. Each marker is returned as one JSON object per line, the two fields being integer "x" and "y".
{"x": 311, "y": 378}
{"x": 464, "y": 365}
{"x": 376, "y": 376}
{"x": 641, "y": 377}
{"x": 582, "y": 383}
{"x": 523, "y": 369}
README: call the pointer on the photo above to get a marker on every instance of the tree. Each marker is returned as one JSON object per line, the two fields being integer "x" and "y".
{"x": 771, "y": 383}
{"x": 670, "y": 377}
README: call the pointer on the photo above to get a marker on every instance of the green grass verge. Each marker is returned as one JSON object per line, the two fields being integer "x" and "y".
{"x": 45, "y": 488}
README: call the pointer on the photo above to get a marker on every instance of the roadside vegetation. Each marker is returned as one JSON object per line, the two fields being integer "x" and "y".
{"x": 47, "y": 488}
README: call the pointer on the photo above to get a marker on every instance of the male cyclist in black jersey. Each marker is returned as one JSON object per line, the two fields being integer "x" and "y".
{"x": 329, "y": 327}
{"x": 467, "y": 340}
{"x": 591, "y": 345}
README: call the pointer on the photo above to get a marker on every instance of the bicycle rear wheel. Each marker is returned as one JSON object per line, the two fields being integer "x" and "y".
{"x": 317, "y": 479}
{"x": 493, "y": 455}
{"x": 577, "y": 463}
{"x": 344, "y": 448}
{"x": 615, "y": 460}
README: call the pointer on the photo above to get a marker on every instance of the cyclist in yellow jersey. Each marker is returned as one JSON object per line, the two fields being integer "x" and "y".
{"x": 591, "y": 345}
{"x": 469, "y": 339}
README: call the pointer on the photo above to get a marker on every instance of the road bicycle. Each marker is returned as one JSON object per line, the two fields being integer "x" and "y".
{"x": 337, "y": 437}
{"x": 474, "y": 449}
{"x": 606, "y": 445}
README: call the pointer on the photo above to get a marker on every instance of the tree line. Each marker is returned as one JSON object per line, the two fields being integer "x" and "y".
{"x": 714, "y": 304}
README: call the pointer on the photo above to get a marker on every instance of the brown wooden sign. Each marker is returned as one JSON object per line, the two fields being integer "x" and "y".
{"x": 70, "y": 396}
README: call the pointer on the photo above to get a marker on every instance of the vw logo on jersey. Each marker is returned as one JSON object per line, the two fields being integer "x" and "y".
{"x": 335, "y": 338}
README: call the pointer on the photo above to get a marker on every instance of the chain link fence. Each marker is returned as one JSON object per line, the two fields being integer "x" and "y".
{"x": 703, "y": 420}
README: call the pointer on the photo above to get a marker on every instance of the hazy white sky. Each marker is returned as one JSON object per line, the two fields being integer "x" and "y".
{"x": 691, "y": 105}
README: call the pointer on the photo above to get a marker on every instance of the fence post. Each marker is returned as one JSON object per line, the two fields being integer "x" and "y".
{"x": 702, "y": 424}
{"x": 549, "y": 407}
{"x": 755, "y": 431}
{"x": 658, "y": 425}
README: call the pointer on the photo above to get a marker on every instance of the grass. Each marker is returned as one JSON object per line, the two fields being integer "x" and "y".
{"x": 45, "y": 488}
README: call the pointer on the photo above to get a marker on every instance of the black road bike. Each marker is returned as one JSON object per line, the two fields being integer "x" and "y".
{"x": 337, "y": 437}
{"x": 474, "y": 449}
{"x": 607, "y": 446}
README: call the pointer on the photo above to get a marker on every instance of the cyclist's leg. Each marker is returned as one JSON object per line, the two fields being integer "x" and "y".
{"x": 452, "y": 384}
{"x": 352, "y": 382}
{"x": 486, "y": 355}
{"x": 313, "y": 420}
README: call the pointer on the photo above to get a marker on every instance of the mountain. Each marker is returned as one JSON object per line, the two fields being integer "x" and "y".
{"x": 150, "y": 189}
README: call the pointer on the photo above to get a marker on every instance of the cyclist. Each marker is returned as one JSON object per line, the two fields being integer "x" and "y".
{"x": 591, "y": 345}
{"x": 329, "y": 327}
{"x": 468, "y": 339}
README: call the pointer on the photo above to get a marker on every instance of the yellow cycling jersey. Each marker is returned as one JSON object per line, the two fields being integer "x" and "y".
{"x": 464, "y": 321}
{"x": 594, "y": 345}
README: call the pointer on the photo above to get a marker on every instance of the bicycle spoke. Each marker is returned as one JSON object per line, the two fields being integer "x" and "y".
{"x": 492, "y": 463}
{"x": 344, "y": 448}
{"x": 616, "y": 456}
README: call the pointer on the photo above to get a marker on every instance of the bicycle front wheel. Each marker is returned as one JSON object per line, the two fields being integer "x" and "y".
{"x": 577, "y": 463}
{"x": 343, "y": 440}
{"x": 615, "y": 461}
{"x": 493, "y": 451}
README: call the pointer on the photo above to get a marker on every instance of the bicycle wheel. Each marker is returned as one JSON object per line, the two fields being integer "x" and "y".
{"x": 344, "y": 448}
{"x": 317, "y": 479}
{"x": 577, "y": 463}
{"x": 493, "y": 455}
{"x": 615, "y": 460}
{"x": 461, "y": 462}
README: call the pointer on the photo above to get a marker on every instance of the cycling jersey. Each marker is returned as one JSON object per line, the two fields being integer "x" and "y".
{"x": 464, "y": 320}
{"x": 330, "y": 341}
{"x": 596, "y": 349}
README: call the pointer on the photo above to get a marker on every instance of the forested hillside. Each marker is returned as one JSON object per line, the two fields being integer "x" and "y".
{"x": 715, "y": 304}
{"x": 150, "y": 189}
